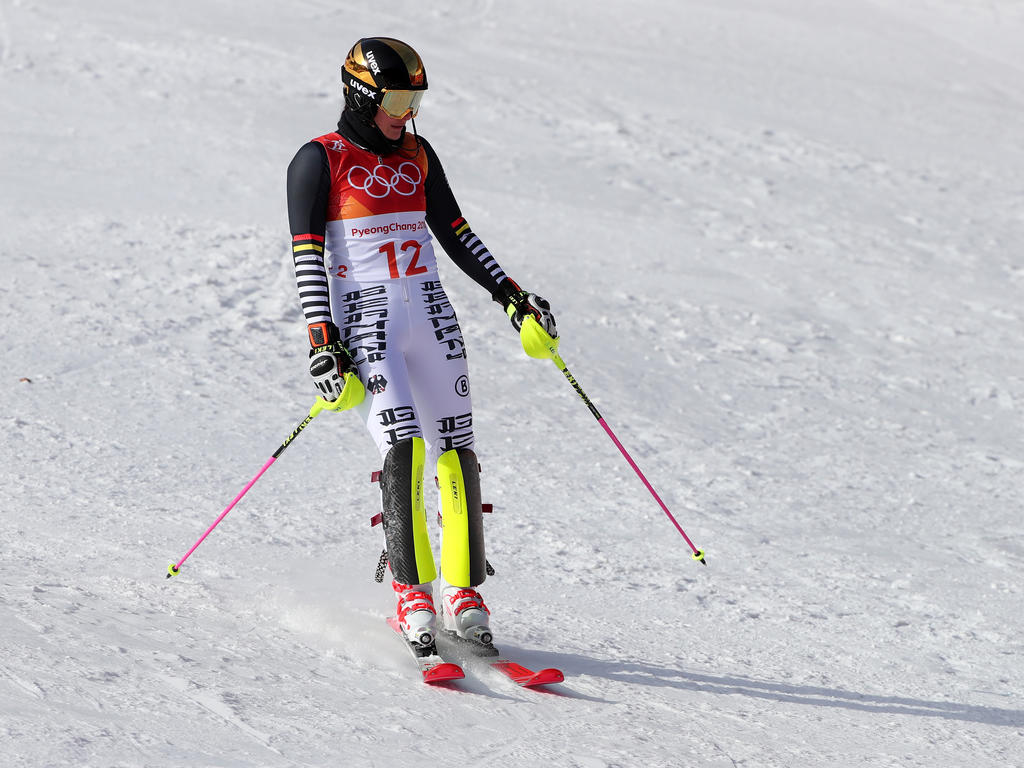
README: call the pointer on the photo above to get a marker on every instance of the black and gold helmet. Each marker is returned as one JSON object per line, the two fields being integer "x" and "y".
{"x": 386, "y": 73}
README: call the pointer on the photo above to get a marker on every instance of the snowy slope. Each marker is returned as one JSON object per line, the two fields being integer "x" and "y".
{"x": 784, "y": 243}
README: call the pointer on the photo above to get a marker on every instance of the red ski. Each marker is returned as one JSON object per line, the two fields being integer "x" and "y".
{"x": 526, "y": 677}
{"x": 435, "y": 671}
{"x": 464, "y": 649}
{"x": 433, "y": 668}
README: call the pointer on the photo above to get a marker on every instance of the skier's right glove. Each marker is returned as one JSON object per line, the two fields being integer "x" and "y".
{"x": 332, "y": 369}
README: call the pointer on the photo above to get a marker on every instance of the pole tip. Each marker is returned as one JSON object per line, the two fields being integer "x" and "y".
{"x": 699, "y": 557}
{"x": 172, "y": 570}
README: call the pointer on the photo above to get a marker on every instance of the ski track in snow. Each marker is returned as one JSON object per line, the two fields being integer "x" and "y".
{"x": 786, "y": 270}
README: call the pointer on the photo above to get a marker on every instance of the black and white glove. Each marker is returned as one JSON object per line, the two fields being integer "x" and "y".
{"x": 329, "y": 361}
{"x": 519, "y": 303}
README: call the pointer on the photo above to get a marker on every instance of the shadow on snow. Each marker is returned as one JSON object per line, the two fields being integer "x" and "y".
{"x": 647, "y": 674}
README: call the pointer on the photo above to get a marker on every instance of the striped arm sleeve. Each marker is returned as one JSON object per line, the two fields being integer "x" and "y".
{"x": 453, "y": 232}
{"x": 309, "y": 184}
{"x": 311, "y": 277}
{"x": 477, "y": 249}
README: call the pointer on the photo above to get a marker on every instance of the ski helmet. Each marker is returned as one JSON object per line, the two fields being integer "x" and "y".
{"x": 386, "y": 73}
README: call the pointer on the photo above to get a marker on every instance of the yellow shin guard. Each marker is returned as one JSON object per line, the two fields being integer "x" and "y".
{"x": 462, "y": 530}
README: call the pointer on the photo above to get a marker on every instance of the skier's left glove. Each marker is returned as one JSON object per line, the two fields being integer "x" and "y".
{"x": 332, "y": 369}
{"x": 540, "y": 338}
{"x": 519, "y": 303}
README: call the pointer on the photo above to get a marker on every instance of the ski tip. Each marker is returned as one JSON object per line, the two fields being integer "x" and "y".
{"x": 525, "y": 676}
{"x": 442, "y": 673}
{"x": 544, "y": 677}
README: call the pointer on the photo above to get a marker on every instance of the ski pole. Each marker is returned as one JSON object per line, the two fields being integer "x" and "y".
{"x": 538, "y": 344}
{"x": 318, "y": 406}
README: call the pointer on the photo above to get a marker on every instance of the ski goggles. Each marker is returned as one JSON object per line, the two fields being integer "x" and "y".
{"x": 398, "y": 104}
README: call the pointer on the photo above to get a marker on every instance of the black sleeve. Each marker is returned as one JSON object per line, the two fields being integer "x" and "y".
{"x": 309, "y": 183}
{"x": 452, "y": 231}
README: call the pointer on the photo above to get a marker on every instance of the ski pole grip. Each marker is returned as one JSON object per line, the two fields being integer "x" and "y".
{"x": 351, "y": 395}
{"x": 537, "y": 343}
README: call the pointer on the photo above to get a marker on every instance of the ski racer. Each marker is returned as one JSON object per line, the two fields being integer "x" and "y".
{"x": 384, "y": 339}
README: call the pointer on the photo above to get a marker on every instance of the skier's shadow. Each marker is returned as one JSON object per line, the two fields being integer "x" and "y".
{"x": 634, "y": 673}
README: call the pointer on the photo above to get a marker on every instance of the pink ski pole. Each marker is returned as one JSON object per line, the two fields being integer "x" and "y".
{"x": 318, "y": 406}
{"x": 539, "y": 344}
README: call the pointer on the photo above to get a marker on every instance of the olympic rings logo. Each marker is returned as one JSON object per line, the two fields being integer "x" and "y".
{"x": 383, "y": 179}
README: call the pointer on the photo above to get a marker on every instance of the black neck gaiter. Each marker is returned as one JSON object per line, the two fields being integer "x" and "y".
{"x": 366, "y": 134}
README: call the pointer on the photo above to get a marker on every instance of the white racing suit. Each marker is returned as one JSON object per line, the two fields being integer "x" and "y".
{"x": 375, "y": 277}
{"x": 405, "y": 340}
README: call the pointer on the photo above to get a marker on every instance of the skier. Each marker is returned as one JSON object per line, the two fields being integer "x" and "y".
{"x": 384, "y": 338}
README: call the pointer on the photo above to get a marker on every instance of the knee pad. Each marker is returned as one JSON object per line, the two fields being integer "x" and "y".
{"x": 462, "y": 527}
{"x": 404, "y": 513}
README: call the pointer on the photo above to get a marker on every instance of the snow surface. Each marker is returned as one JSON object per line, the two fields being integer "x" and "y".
{"x": 784, "y": 241}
